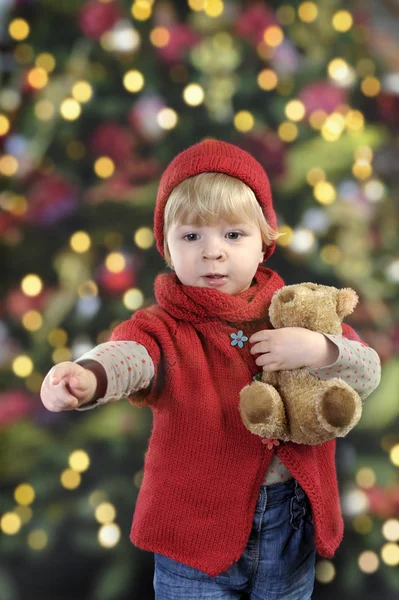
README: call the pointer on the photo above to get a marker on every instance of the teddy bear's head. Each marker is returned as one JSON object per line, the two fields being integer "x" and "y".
{"x": 315, "y": 307}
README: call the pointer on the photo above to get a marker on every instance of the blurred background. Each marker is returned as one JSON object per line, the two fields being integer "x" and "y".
{"x": 96, "y": 98}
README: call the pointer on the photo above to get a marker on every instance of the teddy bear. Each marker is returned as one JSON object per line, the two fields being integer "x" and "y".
{"x": 294, "y": 405}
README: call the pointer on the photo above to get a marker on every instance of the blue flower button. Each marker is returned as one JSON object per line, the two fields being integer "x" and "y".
{"x": 238, "y": 339}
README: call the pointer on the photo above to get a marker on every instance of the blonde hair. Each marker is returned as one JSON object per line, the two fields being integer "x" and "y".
{"x": 208, "y": 197}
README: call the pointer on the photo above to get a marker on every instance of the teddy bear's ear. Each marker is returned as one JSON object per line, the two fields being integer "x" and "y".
{"x": 347, "y": 299}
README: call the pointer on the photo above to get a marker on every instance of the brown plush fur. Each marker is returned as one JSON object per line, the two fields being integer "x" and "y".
{"x": 294, "y": 405}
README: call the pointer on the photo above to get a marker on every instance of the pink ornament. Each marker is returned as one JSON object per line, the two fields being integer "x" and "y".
{"x": 17, "y": 303}
{"x": 14, "y": 406}
{"x": 95, "y": 18}
{"x": 253, "y": 21}
{"x": 182, "y": 39}
{"x": 322, "y": 96}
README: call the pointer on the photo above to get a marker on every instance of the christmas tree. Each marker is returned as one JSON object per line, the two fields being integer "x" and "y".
{"x": 97, "y": 97}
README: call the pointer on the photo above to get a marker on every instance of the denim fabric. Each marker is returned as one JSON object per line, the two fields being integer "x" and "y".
{"x": 277, "y": 563}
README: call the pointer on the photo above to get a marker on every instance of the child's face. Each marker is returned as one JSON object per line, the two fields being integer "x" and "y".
{"x": 234, "y": 251}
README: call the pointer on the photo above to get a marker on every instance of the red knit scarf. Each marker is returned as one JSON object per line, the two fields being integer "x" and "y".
{"x": 201, "y": 305}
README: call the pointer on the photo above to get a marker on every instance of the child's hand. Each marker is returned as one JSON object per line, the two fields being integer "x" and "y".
{"x": 67, "y": 386}
{"x": 292, "y": 348}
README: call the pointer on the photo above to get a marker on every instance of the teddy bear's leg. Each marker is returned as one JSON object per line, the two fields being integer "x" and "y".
{"x": 340, "y": 407}
{"x": 262, "y": 410}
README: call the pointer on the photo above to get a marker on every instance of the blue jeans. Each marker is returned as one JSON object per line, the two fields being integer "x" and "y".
{"x": 277, "y": 563}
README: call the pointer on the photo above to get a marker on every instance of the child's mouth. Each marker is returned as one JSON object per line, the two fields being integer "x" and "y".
{"x": 216, "y": 279}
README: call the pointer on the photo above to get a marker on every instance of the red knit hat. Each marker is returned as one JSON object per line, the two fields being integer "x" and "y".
{"x": 214, "y": 156}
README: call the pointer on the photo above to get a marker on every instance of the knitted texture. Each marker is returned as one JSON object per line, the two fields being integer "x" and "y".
{"x": 214, "y": 156}
{"x": 203, "y": 468}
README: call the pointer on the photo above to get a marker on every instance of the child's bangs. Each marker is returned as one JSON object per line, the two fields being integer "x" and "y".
{"x": 210, "y": 197}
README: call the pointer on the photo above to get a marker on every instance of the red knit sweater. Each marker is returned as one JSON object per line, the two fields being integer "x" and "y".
{"x": 203, "y": 468}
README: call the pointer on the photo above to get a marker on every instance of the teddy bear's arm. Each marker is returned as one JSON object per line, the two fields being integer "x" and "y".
{"x": 357, "y": 364}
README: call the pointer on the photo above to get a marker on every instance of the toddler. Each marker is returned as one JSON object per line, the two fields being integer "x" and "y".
{"x": 224, "y": 514}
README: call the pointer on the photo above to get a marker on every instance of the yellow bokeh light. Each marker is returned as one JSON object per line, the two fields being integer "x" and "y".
{"x": 160, "y": 37}
{"x": 31, "y": 285}
{"x": 317, "y": 118}
{"x": 394, "y": 455}
{"x": 133, "y": 81}
{"x": 273, "y": 36}
{"x": 19, "y": 29}
{"x": 70, "y": 109}
{"x": 4, "y": 125}
{"x": 287, "y": 131}
{"x": 370, "y": 86}
{"x": 342, "y": 21}
{"x": 390, "y": 530}
{"x": 88, "y": 288}
{"x": 333, "y": 127}
{"x": 82, "y": 91}
{"x": 105, "y": 513}
{"x": 70, "y": 479}
{"x": 104, "y": 167}
{"x": 24, "y": 494}
{"x": 38, "y": 78}
{"x": 362, "y": 169}
{"x": 288, "y": 234}
{"x": 24, "y": 54}
{"x": 57, "y": 338}
{"x": 37, "y": 539}
{"x": 80, "y": 242}
{"x": 362, "y": 524}
{"x": 10, "y": 523}
{"x": 197, "y": 5}
{"x": 365, "y": 477}
{"x": 22, "y": 366}
{"x": 295, "y": 110}
{"x": 133, "y": 299}
{"x": 8, "y": 165}
{"x": 330, "y": 254}
{"x": 44, "y": 110}
{"x": 308, "y": 12}
{"x": 79, "y": 461}
{"x": 144, "y": 238}
{"x": 267, "y": 79}
{"x": 17, "y": 205}
{"x": 325, "y": 571}
{"x": 354, "y": 120}
{"x": 368, "y": 562}
{"x": 244, "y": 121}
{"x": 109, "y": 535}
{"x": 193, "y": 94}
{"x": 32, "y": 320}
{"x": 25, "y": 513}
{"x": 141, "y": 10}
{"x": 338, "y": 69}
{"x": 46, "y": 61}
{"x": 115, "y": 262}
{"x": 213, "y": 8}
{"x": 167, "y": 118}
{"x": 60, "y": 355}
{"x": 314, "y": 175}
{"x": 285, "y": 14}
{"x": 364, "y": 152}
{"x": 324, "y": 192}
{"x": 390, "y": 554}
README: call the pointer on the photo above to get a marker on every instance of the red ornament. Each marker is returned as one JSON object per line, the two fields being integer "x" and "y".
{"x": 117, "y": 283}
{"x": 95, "y": 18}
{"x": 17, "y": 303}
{"x": 15, "y": 405}
{"x": 114, "y": 141}
{"x": 268, "y": 149}
{"x": 388, "y": 108}
{"x": 51, "y": 198}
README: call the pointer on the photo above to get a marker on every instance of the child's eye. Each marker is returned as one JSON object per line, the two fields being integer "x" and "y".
{"x": 234, "y": 233}
{"x": 188, "y": 235}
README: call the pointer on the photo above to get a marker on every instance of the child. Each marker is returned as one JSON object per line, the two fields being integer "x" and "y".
{"x": 224, "y": 514}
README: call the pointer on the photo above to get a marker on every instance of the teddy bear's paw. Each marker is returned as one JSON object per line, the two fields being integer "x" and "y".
{"x": 340, "y": 408}
{"x": 262, "y": 410}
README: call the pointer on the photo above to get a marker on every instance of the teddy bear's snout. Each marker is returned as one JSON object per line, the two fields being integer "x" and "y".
{"x": 287, "y": 296}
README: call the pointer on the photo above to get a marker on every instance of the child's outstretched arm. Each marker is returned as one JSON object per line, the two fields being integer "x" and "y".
{"x": 105, "y": 374}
